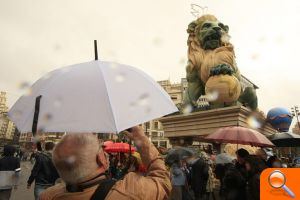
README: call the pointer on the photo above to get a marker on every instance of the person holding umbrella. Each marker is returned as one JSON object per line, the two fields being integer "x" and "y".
{"x": 85, "y": 177}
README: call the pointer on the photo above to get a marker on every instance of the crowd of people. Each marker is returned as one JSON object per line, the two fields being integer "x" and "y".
{"x": 78, "y": 168}
{"x": 232, "y": 179}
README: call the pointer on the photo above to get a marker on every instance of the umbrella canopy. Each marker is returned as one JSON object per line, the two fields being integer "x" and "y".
{"x": 285, "y": 139}
{"x": 223, "y": 158}
{"x": 95, "y": 96}
{"x": 119, "y": 147}
{"x": 177, "y": 154}
{"x": 240, "y": 135}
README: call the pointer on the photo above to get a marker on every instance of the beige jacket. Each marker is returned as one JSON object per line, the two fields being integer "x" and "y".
{"x": 155, "y": 185}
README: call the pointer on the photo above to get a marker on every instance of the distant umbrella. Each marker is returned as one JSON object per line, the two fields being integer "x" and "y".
{"x": 119, "y": 148}
{"x": 224, "y": 158}
{"x": 177, "y": 154}
{"x": 285, "y": 139}
{"x": 239, "y": 135}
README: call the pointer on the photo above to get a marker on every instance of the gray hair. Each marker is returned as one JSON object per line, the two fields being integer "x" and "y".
{"x": 75, "y": 156}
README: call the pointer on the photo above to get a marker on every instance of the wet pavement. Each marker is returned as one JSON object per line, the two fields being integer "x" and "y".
{"x": 22, "y": 193}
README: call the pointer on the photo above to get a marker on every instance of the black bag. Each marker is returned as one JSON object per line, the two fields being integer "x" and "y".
{"x": 103, "y": 189}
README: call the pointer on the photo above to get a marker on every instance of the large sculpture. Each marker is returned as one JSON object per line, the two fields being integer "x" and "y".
{"x": 211, "y": 69}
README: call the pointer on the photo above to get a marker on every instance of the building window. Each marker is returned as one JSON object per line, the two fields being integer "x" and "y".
{"x": 156, "y": 125}
{"x": 163, "y": 144}
{"x": 154, "y": 134}
{"x": 161, "y": 134}
{"x": 147, "y": 125}
{"x": 174, "y": 97}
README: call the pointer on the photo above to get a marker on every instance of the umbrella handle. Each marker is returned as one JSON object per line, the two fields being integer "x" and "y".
{"x": 36, "y": 115}
{"x": 95, "y": 49}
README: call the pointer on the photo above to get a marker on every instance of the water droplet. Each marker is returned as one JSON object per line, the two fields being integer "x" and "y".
{"x": 47, "y": 117}
{"x": 255, "y": 56}
{"x": 46, "y": 76}
{"x": 57, "y": 47}
{"x": 71, "y": 159}
{"x": 65, "y": 69}
{"x": 143, "y": 100}
{"x": 225, "y": 38}
{"x": 157, "y": 41}
{"x": 212, "y": 96}
{"x": 187, "y": 109}
{"x": 17, "y": 114}
{"x": 41, "y": 129}
{"x": 24, "y": 85}
{"x": 182, "y": 61}
{"x": 120, "y": 78}
{"x": 113, "y": 65}
{"x": 28, "y": 92}
{"x": 148, "y": 110}
{"x": 57, "y": 103}
{"x": 253, "y": 122}
{"x": 132, "y": 104}
{"x": 261, "y": 39}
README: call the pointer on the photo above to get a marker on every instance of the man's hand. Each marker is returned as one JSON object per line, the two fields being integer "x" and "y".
{"x": 135, "y": 133}
{"x": 28, "y": 186}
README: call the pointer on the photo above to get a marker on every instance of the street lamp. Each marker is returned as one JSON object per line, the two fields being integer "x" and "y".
{"x": 296, "y": 113}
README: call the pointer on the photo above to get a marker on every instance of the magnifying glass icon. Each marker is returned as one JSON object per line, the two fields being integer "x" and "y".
{"x": 277, "y": 180}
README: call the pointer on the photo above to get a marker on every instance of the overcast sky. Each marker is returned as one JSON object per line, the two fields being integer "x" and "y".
{"x": 38, "y": 36}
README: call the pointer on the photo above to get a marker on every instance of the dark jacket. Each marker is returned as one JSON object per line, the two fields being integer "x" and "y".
{"x": 199, "y": 172}
{"x": 43, "y": 171}
{"x": 233, "y": 184}
{"x": 254, "y": 187}
{"x": 9, "y": 163}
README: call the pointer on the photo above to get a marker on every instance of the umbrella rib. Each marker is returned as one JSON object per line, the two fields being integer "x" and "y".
{"x": 110, "y": 106}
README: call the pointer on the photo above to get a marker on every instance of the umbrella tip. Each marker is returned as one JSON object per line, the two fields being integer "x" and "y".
{"x": 95, "y": 49}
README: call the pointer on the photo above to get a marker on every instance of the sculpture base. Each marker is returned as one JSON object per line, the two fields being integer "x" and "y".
{"x": 184, "y": 129}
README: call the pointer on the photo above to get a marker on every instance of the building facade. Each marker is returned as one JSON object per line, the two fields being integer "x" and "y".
{"x": 7, "y": 127}
{"x": 154, "y": 129}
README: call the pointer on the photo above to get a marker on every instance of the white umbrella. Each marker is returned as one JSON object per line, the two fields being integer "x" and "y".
{"x": 94, "y": 96}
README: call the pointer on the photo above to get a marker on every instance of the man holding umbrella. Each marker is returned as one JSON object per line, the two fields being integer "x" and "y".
{"x": 85, "y": 178}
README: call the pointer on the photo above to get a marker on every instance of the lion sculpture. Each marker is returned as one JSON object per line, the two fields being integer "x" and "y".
{"x": 211, "y": 65}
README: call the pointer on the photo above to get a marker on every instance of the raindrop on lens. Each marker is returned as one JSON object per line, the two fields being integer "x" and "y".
{"x": 225, "y": 38}
{"x": 71, "y": 159}
{"x": 120, "y": 78}
{"x": 17, "y": 114}
{"x": 253, "y": 122}
{"x": 182, "y": 61}
{"x": 255, "y": 56}
{"x": 148, "y": 110}
{"x": 157, "y": 41}
{"x": 187, "y": 109}
{"x": 212, "y": 96}
{"x": 47, "y": 117}
{"x": 47, "y": 76}
{"x": 24, "y": 85}
{"x": 65, "y": 69}
{"x": 57, "y": 103}
{"x": 143, "y": 100}
{"x": 113, "y": 65}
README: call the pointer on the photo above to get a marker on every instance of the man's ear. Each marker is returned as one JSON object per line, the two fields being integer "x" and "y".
{"x": 102, "y": 160}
